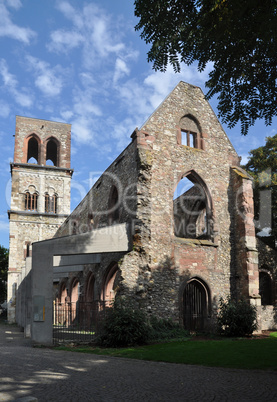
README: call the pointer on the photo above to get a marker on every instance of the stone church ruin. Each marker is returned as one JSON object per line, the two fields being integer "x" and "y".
{"x": 168, "y": 226}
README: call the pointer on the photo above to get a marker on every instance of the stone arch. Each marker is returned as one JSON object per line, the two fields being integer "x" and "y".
{"x": 266, "y": 287}
{"x": 62, "y": 294}
{"x": 74, "y": 301}
{"x": 74, "y": 292}
{"x": 193, "y": 212}
{"x": 90, "y": 288}
{"x": 195, "y": 304}
{"x": 52, "y": 149}
{"x": 32, "y": 149}
{"x": 189, "y": 132}
{"x": 110, "y": 284}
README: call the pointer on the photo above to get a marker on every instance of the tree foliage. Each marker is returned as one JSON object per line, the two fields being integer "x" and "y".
{"x": 4, "y": 257}
{"x": 262, "y": 166}
{"x": 237, "y": 37}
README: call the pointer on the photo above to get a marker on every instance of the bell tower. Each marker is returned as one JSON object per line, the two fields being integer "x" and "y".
{"x": 40, "y": 195}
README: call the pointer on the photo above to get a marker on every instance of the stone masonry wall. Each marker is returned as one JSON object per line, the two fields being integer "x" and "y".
{"x": 27, "y": 226}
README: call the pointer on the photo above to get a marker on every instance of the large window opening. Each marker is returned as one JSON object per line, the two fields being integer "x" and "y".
{"x": 52, "y": 153}
{"x": 191, "y": 208}
{"x": 33, "y": 154}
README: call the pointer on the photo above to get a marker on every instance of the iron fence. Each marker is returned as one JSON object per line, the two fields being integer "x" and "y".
{"x": 78, "y": 322}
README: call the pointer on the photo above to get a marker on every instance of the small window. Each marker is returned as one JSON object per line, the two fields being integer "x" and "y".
{"x": 30, "y": 201}
{"x": 188, "y": 138}
{"x": 51, "y": 203}
{"x": 27, "y": 249}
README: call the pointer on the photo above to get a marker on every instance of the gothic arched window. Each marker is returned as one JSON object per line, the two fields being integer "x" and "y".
{"x": 33, "y": 151}
{"x": 192, "y": 208}
{"x": 52, "y": 150}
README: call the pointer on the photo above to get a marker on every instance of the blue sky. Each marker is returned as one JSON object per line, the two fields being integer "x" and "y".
{"x": 82, "y": 63}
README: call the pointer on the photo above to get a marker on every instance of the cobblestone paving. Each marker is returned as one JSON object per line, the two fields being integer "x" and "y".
{"x": 33, "y": 374}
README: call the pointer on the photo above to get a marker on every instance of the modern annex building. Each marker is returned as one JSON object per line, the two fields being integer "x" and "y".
{"x": 169, "y": 225}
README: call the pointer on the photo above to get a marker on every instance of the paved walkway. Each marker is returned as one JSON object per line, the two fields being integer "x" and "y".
{"x": 33, "y": 374}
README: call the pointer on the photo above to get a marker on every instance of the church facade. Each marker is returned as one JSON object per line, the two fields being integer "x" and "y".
{"x": 168, "y": 226}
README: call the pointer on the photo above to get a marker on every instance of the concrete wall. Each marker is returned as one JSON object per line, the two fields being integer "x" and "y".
{"x": 85, "y": 249}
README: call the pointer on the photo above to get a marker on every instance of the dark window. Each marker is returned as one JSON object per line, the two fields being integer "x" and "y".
{"x": 265, "y": 288}
{"x": 32, "y": 151}
{"x": 31, "y": 201}
{"x": 51, "y": 203}
{"x": 52, "y": 153}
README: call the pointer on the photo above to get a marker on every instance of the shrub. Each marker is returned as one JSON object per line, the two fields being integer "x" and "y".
{"x": 236, "y": 318}
{"x": 162, "y": 329}
{"x": 124, "y": 326}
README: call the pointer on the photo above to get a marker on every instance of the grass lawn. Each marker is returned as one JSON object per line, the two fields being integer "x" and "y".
{"x": 232, "y": 353}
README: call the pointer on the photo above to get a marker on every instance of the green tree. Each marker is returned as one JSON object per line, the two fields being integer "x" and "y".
{"x": 4, "y": 257}
{"x": 262, "y": 166}
{"x": 238, "y": 37}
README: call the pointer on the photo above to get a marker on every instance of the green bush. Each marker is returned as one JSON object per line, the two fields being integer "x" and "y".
{"x": 124, "y": 326}
{"x": 162, "y": 329}
{"x": 236, "y": 318}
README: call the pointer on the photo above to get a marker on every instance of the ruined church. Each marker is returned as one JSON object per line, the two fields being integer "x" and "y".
{"x": 168, "y": 226}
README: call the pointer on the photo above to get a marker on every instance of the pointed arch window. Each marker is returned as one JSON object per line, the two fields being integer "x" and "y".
{"x": 31, "y": 201}
{"x": 52, "y": 152}
{"x": 33, "y": 151}
{"x": 192, "y": 208}
{"x": 51, "y": 203}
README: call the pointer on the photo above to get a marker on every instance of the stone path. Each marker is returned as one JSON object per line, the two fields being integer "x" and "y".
{"x": 33, "y": 374}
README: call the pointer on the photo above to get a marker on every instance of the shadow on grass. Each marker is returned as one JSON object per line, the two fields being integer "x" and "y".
{"x": 232, "y": 353}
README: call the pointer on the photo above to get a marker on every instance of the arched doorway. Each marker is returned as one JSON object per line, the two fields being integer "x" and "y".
{"x": 195, "y": 305}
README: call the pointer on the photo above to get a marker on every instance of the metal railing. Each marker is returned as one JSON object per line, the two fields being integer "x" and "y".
{"x": 78, "y": 322}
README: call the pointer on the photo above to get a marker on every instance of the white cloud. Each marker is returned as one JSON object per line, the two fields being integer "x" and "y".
{"x": 48, "y": 80}
{"x": 121, "y": 70}
{"x": 11, "y": 30}
{"x": 22, "y": 97}
{"x": 92, "y": 28}
{"x": 14, "y": 4}
{"x": 62, "y": 41}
